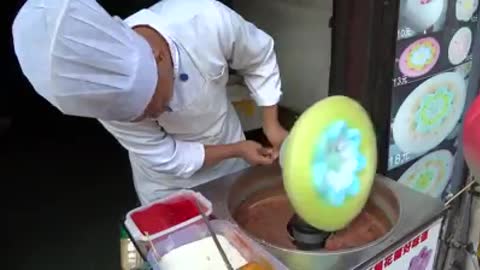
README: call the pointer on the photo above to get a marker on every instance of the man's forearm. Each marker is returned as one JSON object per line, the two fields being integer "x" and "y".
{"x": 215, "y": 154}
{"x": 270, "y": 116}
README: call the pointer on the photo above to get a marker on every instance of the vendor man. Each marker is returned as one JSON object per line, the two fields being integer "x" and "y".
{"x": 157, "y": 82}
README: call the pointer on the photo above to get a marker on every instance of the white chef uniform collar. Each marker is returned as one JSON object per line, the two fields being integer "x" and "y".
{"x": 83, "y": 61}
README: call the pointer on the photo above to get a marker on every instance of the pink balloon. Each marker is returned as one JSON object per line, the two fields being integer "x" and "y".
{"x": 471, "y": 137}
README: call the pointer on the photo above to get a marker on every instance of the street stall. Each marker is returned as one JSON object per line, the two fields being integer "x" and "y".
{"x": 410, "y": 67}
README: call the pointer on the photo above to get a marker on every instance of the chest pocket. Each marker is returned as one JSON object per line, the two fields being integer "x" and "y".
{"x": 201, "y": 113}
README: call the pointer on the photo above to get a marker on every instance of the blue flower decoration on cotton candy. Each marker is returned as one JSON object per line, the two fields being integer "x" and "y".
{"x": 337, "y": 162}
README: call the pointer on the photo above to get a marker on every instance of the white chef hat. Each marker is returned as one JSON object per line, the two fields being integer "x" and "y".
{"x": 83, "y": 61}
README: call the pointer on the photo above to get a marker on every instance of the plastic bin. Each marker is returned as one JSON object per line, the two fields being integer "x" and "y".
{"x": 165, "y": 216}
{"x": 250, "y": 251}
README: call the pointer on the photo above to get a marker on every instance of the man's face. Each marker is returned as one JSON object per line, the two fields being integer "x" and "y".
{"x": 164, "y": 90}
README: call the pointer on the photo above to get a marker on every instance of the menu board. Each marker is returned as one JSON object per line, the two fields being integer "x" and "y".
{"x": 429, "y": 94}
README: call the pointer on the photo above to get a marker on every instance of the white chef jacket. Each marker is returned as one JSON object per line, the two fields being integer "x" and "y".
{"x": 206, "y": 38}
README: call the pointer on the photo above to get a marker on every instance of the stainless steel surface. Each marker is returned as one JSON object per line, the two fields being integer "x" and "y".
{"x": 414, "y": 210}
{"x": 214, "y": 237}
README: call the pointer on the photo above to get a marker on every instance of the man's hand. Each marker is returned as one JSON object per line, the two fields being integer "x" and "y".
{"x": 255, "y": 154}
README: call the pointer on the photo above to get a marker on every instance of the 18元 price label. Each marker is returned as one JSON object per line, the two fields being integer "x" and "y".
{"x": 398, "y": 159}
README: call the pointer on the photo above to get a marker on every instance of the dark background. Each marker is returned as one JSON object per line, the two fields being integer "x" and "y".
{"x": 66, "y": 182}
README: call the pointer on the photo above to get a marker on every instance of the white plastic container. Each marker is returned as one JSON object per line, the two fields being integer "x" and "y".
{"x": 142, "y": 239}
{"x": 248, "y": 249}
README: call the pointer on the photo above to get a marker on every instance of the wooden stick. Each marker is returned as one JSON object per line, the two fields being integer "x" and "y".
{"x": 155, "y": 252}
{"x": 465, "y": 188}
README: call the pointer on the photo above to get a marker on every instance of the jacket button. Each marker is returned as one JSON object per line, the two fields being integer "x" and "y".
{"x": 184, "y": 77}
